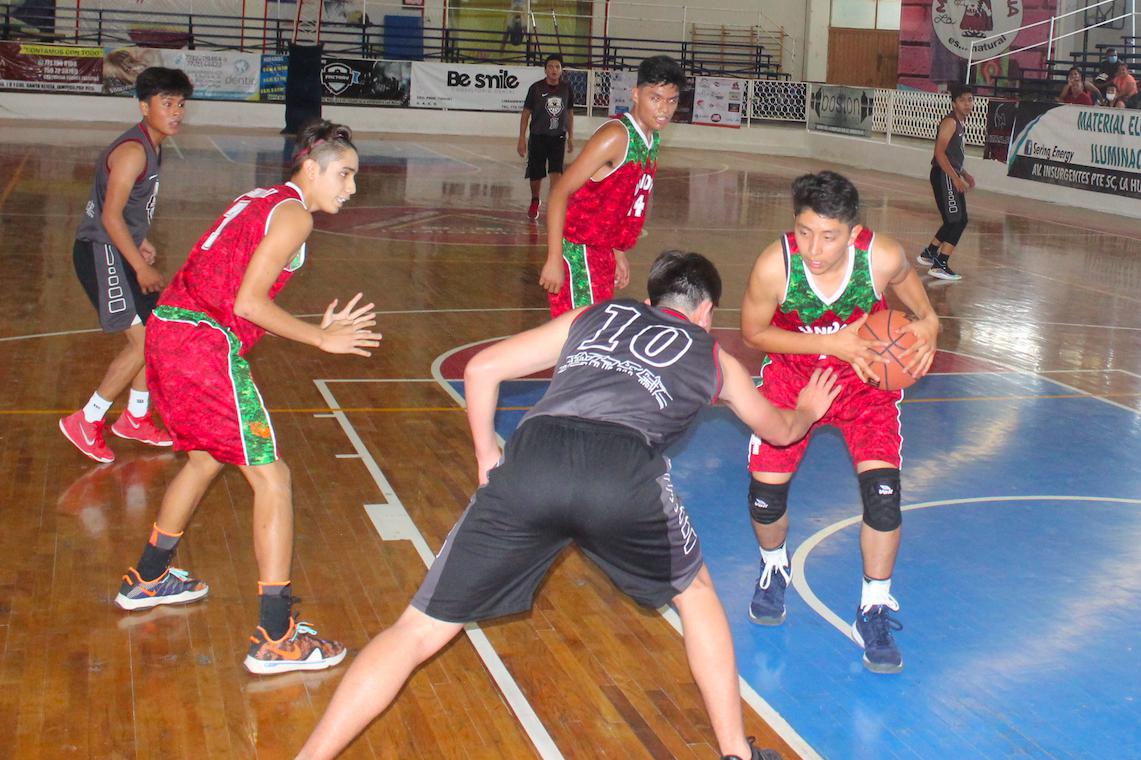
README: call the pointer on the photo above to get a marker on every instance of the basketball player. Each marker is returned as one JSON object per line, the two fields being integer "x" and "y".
{"x": 807, "y": 296}
{"x": 216, "y": 308}
{"x": 599, "y": 206}
{"x": 950, "y": 183}
{"x": 549, "y": 111}
{"x": 631, "y": 378}
{"x": 115, "y": 261}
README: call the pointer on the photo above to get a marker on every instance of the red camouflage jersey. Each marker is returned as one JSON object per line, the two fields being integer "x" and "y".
{"x": 209, "y": 280}
{"x": 609, "y": 213}
{"x": 804, "y": 309}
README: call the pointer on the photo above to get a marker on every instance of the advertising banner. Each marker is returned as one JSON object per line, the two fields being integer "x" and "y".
{"x": 999, "y": 121}
{"x": 215, "y": 74}
{"x": 718, "y": 101}
{"x": 365, "y": 81}
{"x": 844, "y": 110}
{"x": 274, "y": 71}
{"x": 1088, "y": 148}
{"x": 58, "y": 68}
{"x": 472, "y": 87}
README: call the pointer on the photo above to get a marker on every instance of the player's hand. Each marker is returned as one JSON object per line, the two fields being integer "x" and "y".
{"x": 570, "y": 144}
{"x": 148, "y": 252}
{"x": 819, "y": 393}
{"x": 960, "y": 184}
{"x": 347, "y": 331}
{"x": 621, "y": 270}
{"x": 847, "y": 345}
{"x": 552, "y": 276}
{"x": 970, "y": 180}
{"x": 922, "y": 352}
{"x": 521, "y": 148}
{"x": 485, "y": 462}
{"x": 150, "y": 279}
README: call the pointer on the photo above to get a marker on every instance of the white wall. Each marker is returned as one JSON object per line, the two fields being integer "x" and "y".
{"x": 910, "y": 159}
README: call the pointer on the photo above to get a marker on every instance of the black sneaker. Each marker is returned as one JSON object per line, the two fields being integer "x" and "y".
{"x": 927, "y": 257}
{"x": 872, "y": 631}
{"x": 941, "y": 268}
{"x": 758, "y": 753}
{"x": 767, "y": 607}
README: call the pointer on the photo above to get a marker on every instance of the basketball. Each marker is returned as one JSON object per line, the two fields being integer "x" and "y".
{"x": 888, "y": 326}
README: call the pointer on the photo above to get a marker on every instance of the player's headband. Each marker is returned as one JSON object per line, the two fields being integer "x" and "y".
{"x": 306, "y": 151}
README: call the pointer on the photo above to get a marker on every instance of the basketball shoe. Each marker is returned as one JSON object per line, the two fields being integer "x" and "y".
{"x": 872, "y": 631}
{"x": 141, "y": 429}
{"x": 86, "y": 436}
{"x": 298, "y": 649}
{"x": 941, "y": 268}
{"x": 533, "y": 209}
{"x": 757, "y": 753}
{"x": 767, "y": 607}
{"x": 926, "y": 257}
{"x": 175, "y": 586}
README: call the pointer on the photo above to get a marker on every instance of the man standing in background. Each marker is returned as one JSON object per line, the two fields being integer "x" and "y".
{"x": 549, "y": 107}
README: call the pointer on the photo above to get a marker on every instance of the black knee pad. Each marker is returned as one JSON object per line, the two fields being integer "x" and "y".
{"x": 879, "y": 490}
{"x": 767, "y": 502}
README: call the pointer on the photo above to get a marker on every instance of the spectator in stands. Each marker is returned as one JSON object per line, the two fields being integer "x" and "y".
{"x": 1109, "y": 98}
{"x": 1078, "y": 91}
{"x": 1126, "y": 87}
{"x": 1107, "y": 69}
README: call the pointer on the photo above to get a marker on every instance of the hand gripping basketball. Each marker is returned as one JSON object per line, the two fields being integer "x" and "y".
{"x": 890, "y": 364}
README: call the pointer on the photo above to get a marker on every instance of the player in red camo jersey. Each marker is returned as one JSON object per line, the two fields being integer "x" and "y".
{"x": 807, "y": 296}
{"x": 598, "y": 207}
{"x": 213, "y": 312}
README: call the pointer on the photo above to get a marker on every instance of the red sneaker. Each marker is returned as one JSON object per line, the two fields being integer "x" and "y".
{"x": 533, "y": 209}
{"x": 141, "y": 429}
{"x": 86, "y": 436}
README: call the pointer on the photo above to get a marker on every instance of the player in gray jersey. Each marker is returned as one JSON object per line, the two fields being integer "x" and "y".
{"x": 115, "y": 262}
{"x": 950, "y": 183}
{"x": 586, "y": 466}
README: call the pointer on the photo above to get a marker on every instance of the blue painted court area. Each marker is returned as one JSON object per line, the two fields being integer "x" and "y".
{"x": 1019, "y": 576}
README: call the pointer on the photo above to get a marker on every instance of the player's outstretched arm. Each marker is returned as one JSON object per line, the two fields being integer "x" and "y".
{"x": 126, "y": 163}
{"x": 601, "y": 153}
{"x": 518, "y": 356}
{"x": 345, "y": 332}
{"x": 775, "y": 425}
{"x": 890, "y": 263}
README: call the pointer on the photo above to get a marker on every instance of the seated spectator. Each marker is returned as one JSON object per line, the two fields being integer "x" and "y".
{"x": 1078, "y": 91}
{"x": 1109, "y": 98}
{"x": 1107, "y": 69}
{"x": 1126, "y": 86}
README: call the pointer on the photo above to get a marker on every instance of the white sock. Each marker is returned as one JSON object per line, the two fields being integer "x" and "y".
{"x": 96, "y": 408}
{"x": 777, "y": 556}
{"x": 139, "y": 404}
{"x": 876, "y": 592}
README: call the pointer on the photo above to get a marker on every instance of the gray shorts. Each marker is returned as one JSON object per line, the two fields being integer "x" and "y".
{"x": 564, "y": 479}
{"x": 111, "y": 285}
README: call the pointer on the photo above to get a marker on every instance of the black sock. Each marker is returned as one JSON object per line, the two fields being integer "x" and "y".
{"x": 154, "y": 562}
{"x": 275, "y": 606}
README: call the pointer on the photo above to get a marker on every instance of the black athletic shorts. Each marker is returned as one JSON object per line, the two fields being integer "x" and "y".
{"x": 952, "y": 204}
{"x": 545, "y": 153}
{"x": 111, "y": 285}
{"x": 564, "y": 479}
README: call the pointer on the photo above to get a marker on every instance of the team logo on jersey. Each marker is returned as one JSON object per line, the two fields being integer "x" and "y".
{"x": 990, "y": 24}
{"x": 554, "y": 105}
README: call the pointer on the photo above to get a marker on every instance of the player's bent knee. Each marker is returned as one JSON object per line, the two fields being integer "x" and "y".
{"x": 879, "y": 490}
{"x": 767, "y": 501}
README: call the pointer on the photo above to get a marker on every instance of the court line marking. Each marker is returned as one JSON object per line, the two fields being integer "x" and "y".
{"x": 800, "y": 556}
{"x": 760, "y": 706}
{"x": 393, "y": 523}
{"x": 174, "y": 144}
{"x": 218, "y": 148}
{"x": 11, "y": 184}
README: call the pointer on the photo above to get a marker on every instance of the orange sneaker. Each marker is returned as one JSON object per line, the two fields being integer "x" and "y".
{"x": 141, "y": 429}
{"x": 298, "y": 649}
{"x": 86, "y": 436}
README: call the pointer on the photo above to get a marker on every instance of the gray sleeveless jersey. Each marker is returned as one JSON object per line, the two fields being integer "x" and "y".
{"x": 140, "y": 206}
{"x": 956, "y": 148}
{"x": 630, "y": 364}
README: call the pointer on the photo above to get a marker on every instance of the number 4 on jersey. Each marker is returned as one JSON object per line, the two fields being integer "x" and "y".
{"x": 641, "y": 195}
